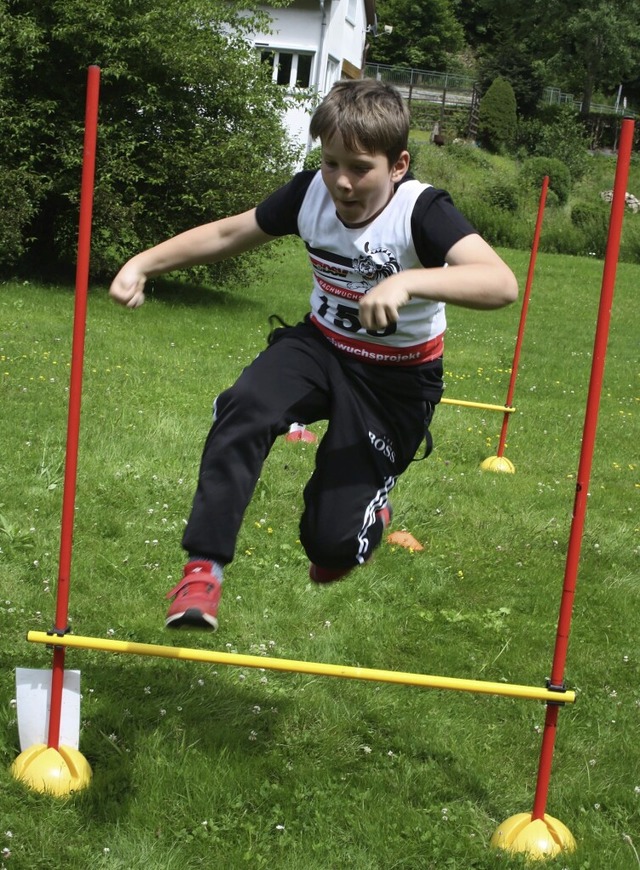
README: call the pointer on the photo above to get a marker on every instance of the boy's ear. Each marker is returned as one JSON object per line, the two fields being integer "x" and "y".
{"x": 400, "y": 167}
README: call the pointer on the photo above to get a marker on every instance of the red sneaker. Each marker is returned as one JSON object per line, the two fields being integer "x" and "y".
{"x": 298, "y": 432}
{"x": 197, "y": 595}
{"x": 326, "y": 575}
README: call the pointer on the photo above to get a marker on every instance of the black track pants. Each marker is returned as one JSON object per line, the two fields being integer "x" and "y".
{"x": 377, "y": 419}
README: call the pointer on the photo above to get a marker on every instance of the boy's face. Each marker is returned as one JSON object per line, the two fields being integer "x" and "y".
{"x": 360, "y": 183}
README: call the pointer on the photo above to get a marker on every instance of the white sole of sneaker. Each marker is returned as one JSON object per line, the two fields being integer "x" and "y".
{"x": 192, "y": 618}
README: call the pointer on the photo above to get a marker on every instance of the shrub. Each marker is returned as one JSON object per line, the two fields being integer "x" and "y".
{"x": 552, "y": 200}
{"x": 424, "y": 115}
{"x": 313, "y": 158}
{"x": 468, "y": 155}
{"x": 592, "y": 218}
{"x": 453, "y": 123}
{"x": 534, "y": 170}
{"x": 560, "y": 236}
{"x": 179, "y": 141}
{"x": 21, "y": 194}
{"x": 497, "y": 120}
{"x": 22, "y": 183}
{"x": 503, "y": 194}
{"x": 630, "y": 244}
{"x": 416, "y": 149}
{"x": 496, "y": 226}
{"x": 557, "y": 131}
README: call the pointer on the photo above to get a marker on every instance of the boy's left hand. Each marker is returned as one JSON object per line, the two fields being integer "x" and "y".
{"x": 379, "y": 307}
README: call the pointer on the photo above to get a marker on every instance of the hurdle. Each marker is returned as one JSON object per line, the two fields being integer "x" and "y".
{"x": 505, "y": 409}
{"x": 58, "y": 769}
{"x": 508, "y": 690}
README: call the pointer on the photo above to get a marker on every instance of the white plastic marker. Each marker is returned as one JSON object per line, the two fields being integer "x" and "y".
{"x": 33, "y": 701}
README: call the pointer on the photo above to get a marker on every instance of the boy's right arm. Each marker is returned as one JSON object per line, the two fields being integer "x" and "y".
{"x": 208, "y": 243}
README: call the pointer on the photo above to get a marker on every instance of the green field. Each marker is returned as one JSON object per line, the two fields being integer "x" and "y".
{"x": 197, "y": 765}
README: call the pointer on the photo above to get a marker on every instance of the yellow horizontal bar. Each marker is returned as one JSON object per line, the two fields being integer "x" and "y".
{"x": 504, "y": 408}
{"x": 317, "y": 668}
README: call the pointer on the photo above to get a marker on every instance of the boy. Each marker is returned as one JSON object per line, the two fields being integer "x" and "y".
{"x": 387, "y": 252}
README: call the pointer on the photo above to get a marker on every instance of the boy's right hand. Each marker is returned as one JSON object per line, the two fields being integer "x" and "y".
{"x": 127, "y": 287}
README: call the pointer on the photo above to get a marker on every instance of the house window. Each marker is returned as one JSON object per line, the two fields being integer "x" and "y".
{"x": 303, "y": 77}
{"x": 351, "y": 11}
{"x": 332, "y": 73}
{"x": 291, "y": 69}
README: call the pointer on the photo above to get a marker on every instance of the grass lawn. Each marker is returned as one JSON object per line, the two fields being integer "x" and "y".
{"x": 197, "y": 765}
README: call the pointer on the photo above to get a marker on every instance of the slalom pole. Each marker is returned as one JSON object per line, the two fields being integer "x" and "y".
{"x": 75, "y": 392}
{"x": 499, "y": 462}
{"x": 536, "y": 833}
{"x": 586, "y": 458}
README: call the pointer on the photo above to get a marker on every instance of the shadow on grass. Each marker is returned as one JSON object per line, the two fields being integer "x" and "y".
{"x": 180, "y": 293}
{"x": 164, "y": 717}
{"x": 175, "y": 293}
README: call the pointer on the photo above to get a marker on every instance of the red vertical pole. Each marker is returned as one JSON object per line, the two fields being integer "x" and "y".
{"x": 523, "y": 315}
{"x": 75, "y": 392}
{"x": 584, "y": 467}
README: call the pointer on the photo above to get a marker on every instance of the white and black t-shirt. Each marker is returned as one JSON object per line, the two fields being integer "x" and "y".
{"x": 416, "y": 229}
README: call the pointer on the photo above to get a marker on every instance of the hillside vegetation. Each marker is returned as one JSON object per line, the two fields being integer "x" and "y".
{"x": 500, "y": 195}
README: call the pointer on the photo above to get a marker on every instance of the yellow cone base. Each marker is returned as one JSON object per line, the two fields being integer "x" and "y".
{"x": 58, "y": 772}
{"x": 498, "y": 463}
{"x": 539, "y": 838}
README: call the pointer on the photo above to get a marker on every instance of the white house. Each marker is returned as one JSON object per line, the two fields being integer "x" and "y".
{"x": 312, "y": 44}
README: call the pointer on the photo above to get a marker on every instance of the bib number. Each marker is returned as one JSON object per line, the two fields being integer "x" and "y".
{"x": 345, "y": 317}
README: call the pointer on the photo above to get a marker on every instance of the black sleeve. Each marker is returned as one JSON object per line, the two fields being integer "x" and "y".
{"x": 278, "y": 213}
{"x": 436, "y": 225}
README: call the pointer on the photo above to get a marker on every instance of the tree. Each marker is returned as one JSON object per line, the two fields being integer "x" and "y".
{"x": 513, "y": 60}
{"x": 497, "y": 119}
{"x": 190, "y": 124}
{"x": 425, "y": 33}
{"x": 603, "y": 41}
{"x": 581, "y": 45}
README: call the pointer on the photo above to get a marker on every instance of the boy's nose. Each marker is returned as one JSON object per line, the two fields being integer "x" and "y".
{"x": 343, "y": 182}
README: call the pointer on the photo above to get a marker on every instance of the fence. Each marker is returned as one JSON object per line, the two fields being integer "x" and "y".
{"x": 445, "y": 102}
{"x": 458, "y": 90}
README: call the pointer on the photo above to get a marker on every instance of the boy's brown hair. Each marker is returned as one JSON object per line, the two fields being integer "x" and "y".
{"x": 369, "y": 115}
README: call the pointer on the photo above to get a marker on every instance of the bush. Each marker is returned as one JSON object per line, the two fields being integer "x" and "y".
{"x": 560, "y": 236}
{"x": 179, "y": 141}
{"x": 557, "y": 131}
{"x": 592, "y": 218}
{"x": 503, "y": 194}
{"x": 313, "y": 158}
{"x": 469, "y": 155}
{"x": 22, "y": 183}
{"x": 497, "y": 119}
{"x": 424, "y": 115}
{"x": 630, "y": 244}
{"x": 496, "y": 226}
{"x": 552, "y": 200}
{"x": 21, "y": 193}
{"x": 534, "y": 170}
{"x": 416, "y": 149}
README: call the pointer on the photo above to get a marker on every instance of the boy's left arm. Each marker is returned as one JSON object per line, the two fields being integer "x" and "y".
{"x": 475, "y": 277}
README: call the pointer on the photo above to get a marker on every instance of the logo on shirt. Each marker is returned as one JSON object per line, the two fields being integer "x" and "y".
{"x": 373, "y": 267}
